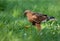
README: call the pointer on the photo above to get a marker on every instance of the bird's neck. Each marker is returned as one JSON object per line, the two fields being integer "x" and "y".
{"x": 29, "y": 15}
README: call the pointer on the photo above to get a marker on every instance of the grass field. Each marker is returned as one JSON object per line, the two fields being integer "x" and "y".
{"x": 14, "y": 26}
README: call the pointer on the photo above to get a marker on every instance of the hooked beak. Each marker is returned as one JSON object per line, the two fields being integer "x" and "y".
{"x": 25, "y": 13}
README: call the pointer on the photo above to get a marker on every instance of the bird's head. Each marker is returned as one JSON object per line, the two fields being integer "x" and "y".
{"x": 27, "y": 12}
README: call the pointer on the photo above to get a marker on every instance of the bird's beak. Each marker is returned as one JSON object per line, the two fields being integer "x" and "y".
{"x": 25, "y": 13}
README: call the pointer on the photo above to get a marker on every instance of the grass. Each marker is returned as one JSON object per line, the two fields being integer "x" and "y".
{"x": 14, "y": 26}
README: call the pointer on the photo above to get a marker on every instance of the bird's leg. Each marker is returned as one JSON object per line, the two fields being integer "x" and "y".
{"x": 33, "y": 23}
{"x": 38, "y": 26}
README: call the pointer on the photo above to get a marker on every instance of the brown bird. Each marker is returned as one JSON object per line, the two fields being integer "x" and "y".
{"x": 35, "y": 18}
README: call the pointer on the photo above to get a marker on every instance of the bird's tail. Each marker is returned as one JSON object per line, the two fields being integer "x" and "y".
{"x": 51, "y": 18}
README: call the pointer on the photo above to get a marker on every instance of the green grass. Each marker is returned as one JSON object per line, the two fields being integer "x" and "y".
{"x": 14, "y": 26}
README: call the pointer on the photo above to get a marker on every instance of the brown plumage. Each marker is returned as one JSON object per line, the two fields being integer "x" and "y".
{"x": 35, "y": 18}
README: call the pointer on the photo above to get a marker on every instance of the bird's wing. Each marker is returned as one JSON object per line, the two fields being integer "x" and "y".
{"x": 40, "y": 17}
{"x": 36, "y": 17}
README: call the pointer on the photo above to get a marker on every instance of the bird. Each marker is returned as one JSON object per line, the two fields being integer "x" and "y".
{"x": 36, "y": 18}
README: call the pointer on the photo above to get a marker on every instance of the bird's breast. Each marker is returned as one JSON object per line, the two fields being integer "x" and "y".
{"x": 32, "y": 18}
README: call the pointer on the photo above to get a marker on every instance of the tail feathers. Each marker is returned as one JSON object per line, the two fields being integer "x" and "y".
{"x": 51, "y": 18}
